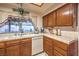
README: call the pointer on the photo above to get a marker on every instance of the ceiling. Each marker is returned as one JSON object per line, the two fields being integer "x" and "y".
{"x": 39, "y": 8}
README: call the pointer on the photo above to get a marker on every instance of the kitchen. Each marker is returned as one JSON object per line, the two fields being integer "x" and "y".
{"x": 43, "y": 29}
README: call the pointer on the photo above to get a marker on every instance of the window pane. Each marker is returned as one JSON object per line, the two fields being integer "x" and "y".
{"x": 4, "y": 29}
{"x": 27, "y": 27}
{"x": 14, "y": 28}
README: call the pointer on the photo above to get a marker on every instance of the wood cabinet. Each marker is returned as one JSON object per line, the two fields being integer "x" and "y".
{"x": 25, "y": 47}
{"x": 52, "y": 19}
{"x": 73, "y": 49}
{"x": 2, "y": 49}
{"x": 12, "y": 48}
{"x": 56, "y": 48}
{"x": 12, "y": 51}
{"x": 56, "y": 53}
{"x": 63, "y": 16}
{"x": 60, "y": 44}
{"x": 22, "y": 47}
{"x": 47, "y": 46}
{"x": 60, "y": 48}
{"x": 45, "y": 21}
{"x": 66, "y": 49}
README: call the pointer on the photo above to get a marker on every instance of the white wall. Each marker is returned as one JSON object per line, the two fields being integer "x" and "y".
{"x": 37, "y": 20}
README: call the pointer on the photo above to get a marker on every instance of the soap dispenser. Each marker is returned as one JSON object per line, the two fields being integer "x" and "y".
{"x": 59, "y": 32}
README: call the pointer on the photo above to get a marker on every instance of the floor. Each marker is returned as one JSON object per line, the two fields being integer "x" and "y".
{"x": 42, "y": 54}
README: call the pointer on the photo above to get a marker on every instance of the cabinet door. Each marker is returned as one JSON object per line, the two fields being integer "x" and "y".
{"x": 65, "y": 15}
{"x": 48, "y": 48}
{"x": 60, "y": 51}
{"x": 73, "y": 49}
{"x": 47, "y": 45}
{"x": 45, "y": 21}
{"x": 56, "y": 53}
{"x": 25, "y": 50}
{"x": 2, "y": 49}
{"x": 12, "y": 51}
{"x": 52, "y": 19}
{"x": 25, "y": 47}
{"x": 2, "y": 52}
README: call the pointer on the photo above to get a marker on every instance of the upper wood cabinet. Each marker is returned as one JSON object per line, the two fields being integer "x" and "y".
{"x": 45, "y": 21}
{"x": 65, "y": 15}
{"x": 52, "y": 19}
{"x": 49, "y": 20}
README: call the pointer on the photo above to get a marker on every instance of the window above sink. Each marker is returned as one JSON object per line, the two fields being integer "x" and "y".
{"x": 13, "y": 25}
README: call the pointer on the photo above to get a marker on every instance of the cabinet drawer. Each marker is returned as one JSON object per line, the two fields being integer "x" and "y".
{"x": 2, "y": 45}
{"x": 49, "y": 44}
{"x": 63, "y": 52}
{"x": 12, "y": 43}
{"x": 60, "y": 45}
{"x": 56, "y": 53}
{"x": 26, "y": 44}
{"x": 26, "y": 40}
{"x": 46, "y": 39}
{"x": 2, "y": 52}
{"x": 12, "y": 51}
{"x": 49, "y": 52}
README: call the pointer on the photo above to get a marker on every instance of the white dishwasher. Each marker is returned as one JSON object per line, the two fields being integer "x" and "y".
{"x": 37, "y": 44}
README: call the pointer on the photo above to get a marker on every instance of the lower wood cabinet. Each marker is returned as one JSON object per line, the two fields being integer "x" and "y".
{"x": 59, "y": 51}
{"x": 47, "y": 46}
{"x": 73, "y": 49}
{"x": 2, "y": 52}
{"x": 56, "y": 48}
{"x": 2, "y": 49}
{"x": 12, "y": 51}
{"x": 17, "y": 47}
{"x": 12, "y": 48}
{"x": 56, "y": 53}
{"x": 25, "y": 47}
{"x": 52, "y": 47}
{"x": 60, "y": 48}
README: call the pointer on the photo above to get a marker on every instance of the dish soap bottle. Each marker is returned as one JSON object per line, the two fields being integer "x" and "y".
{"x": 59, "y": 32}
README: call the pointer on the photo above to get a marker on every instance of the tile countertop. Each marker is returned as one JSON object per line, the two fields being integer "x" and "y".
{"x": 5, "y": 38}
{"x": 64, "y": 39}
